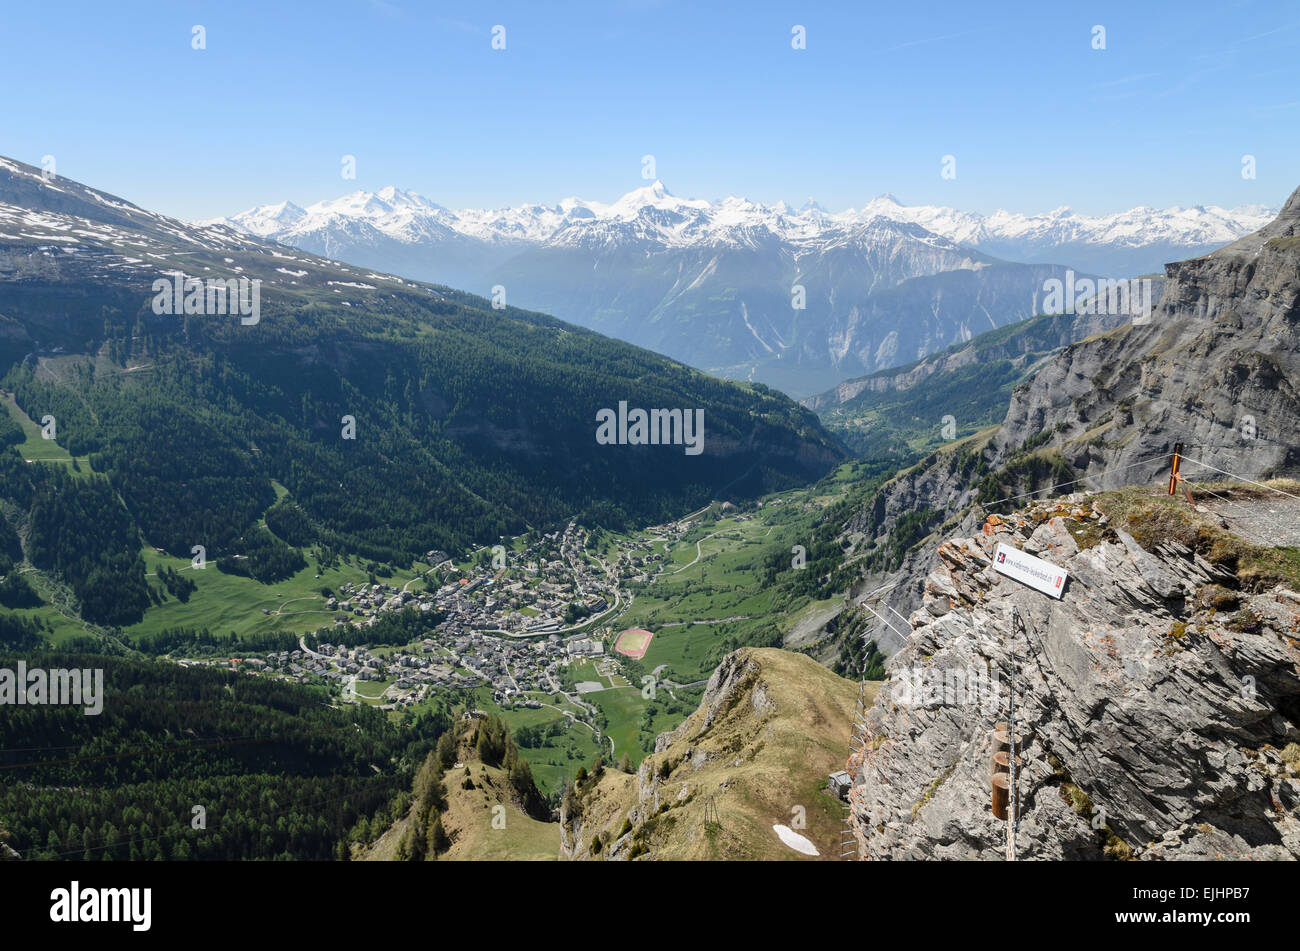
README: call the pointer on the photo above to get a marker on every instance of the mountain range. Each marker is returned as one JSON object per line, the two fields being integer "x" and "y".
{"x": 797, "y": 298}
{"x": 378, "y": 415}
{"x": 475, "y": 420}
{"x": 1123, "y": 243}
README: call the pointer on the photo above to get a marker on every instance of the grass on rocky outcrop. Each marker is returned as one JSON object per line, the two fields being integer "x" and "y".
{"x": 763, "y": 760}
{"x": 1152, "y": 516}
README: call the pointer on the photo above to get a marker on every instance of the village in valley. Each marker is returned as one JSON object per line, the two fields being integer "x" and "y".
{"x": 517, "y": 618}
{"x": 553, "y": 630}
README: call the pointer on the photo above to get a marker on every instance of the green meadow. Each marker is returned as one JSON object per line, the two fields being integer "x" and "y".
{"x": 35, "y": 448}
{"x": 231, "y": 603}
{"x": 559, "y": 757}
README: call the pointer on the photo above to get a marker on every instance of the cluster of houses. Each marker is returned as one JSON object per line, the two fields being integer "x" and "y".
{"x": 501, "y": 624}
{"x": 520, "y": 593}
{"x": 410, "y": 675}
{"x": 371, "y": 600}
{"x": 512, "y": 668}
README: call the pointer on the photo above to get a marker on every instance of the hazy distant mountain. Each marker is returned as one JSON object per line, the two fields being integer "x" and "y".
{"x": 1124, "y": 244}
{"x": 1134, "y": 239}
{"x": 717, "y": 286}
{"x": 393, "y": 230}
{"x": 715, "y": 283}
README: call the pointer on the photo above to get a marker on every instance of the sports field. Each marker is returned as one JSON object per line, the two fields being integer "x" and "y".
{"x": 633, "y": 642}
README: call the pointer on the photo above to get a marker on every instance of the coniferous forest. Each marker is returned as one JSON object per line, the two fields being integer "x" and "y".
{"x": 423, "y": 425}
{"x": 278, "y": 773}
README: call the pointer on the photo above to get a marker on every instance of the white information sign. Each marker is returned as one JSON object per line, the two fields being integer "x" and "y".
{"x": 1043, "y": 575}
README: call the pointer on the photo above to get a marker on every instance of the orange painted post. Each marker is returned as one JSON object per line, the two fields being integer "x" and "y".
{"x": 1174, "y": 466}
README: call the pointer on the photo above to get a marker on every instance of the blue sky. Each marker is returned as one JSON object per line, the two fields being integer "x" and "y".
{"x": 1035, "y": 117}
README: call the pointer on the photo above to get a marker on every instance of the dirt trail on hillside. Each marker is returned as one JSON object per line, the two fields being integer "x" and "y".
{"x": 1272, "y": 521}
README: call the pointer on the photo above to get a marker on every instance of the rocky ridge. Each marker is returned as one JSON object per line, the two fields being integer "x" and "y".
{"x": 1157, "y": 703}
{"x": 770, "y": 727}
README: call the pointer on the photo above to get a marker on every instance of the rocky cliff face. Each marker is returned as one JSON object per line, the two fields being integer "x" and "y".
{"x": 1216, "y": 367}
{"x": 1157, "y": 703}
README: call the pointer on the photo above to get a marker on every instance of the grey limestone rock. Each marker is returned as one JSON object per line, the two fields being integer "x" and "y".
{"x": 1148, "y": 725}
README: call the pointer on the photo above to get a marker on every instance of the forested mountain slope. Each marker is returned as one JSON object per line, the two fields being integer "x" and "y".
{"x": 400, "y": 417}
{"x": 278, "y": 772}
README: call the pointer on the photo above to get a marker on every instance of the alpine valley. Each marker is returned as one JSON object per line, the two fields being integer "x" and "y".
{"x": 382, "y": 570}
{"x": 716, "y": 284}
{"x": 466, "y": 422}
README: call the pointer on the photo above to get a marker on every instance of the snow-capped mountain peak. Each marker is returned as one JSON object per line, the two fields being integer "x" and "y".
{"x": 655, "y": 195}
{"x": 1136, "y": 240}
{"x": 267, "y": 220}
{"x": 389, "y": 200}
